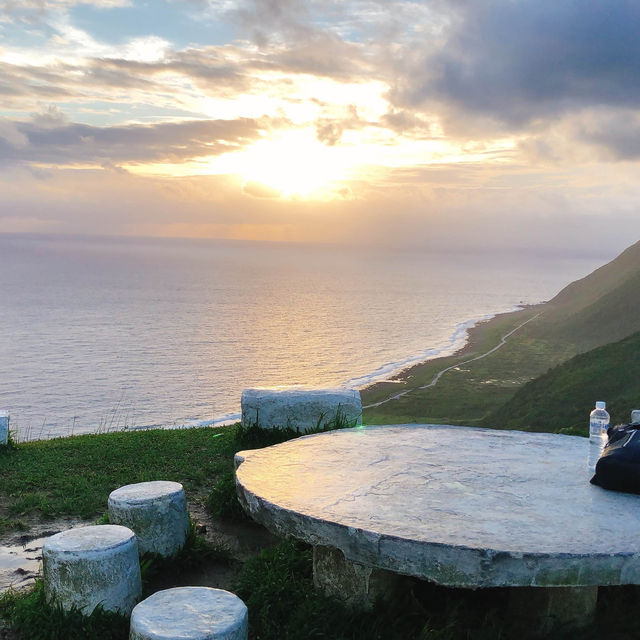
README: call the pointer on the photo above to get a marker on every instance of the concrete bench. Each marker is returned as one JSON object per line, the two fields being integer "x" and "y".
{"x": 299, "y": 408}
{"x": 91, "y": 566}
{"x": 4, "y": 427}
{"x": 157, "y": 513}
{"x": 190, "y": 613}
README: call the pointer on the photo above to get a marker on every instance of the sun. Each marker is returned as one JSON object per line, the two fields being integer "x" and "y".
{"x": 293, "y": 164}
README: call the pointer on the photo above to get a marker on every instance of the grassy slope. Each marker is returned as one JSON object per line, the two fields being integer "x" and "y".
{"x": 600, "y": 308}
{"x": 75, "y": 475}
{"x": 562, "y": 397}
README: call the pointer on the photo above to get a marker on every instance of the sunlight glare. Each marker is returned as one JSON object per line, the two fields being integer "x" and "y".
{"x": 293, "y": 163}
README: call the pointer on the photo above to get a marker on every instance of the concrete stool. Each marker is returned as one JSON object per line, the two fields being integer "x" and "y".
{"x": 4, "y": 427}
{"x": 190, "y": 613}
{"x": 299, "y": 408}
{"x": 92, "y": 566}
{"x": 156, "y": 511}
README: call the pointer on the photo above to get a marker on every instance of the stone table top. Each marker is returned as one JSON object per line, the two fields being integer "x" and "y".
{"x": 457, "y": 505}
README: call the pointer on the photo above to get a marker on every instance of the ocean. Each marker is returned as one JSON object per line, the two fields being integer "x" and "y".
{"x": 103, "y": 334}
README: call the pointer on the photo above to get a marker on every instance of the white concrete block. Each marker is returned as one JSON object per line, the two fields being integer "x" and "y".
{"x": 4, "y": 427}
{"x": 190, "y": 613}
{"x": 299, "y": 408}
{"x": 92, "y": 566}
{"x": 157, "y": 513}
{"x": 635, "y": 416}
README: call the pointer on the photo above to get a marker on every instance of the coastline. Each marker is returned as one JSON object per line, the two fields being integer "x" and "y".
{"x": 460, "y": 343}
{"x": 480, "y": 334}
{"x": 467, "y": 338}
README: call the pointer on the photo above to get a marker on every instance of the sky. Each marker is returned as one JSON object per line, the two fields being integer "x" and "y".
{"x": 452, "y": 123}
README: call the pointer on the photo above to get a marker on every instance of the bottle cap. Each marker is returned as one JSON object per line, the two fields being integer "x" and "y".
{"x": 601, "y": 405}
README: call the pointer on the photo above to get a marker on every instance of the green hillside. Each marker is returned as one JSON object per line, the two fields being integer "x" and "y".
{"x": 612, "y": 316}
{"x": 601, "y": 308}
{"x": 587, "y": 290}
{"x": 562, "y": 398}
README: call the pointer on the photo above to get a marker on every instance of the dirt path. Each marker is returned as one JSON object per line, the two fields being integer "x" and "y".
{"x": 438, "y": 375}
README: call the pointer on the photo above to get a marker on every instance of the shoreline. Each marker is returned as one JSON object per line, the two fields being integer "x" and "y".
{"x": 470, "y": 329}
{"x": 383, "y": 391}
{"x": 393, "y": 372}
{"x": 463, "y": 341}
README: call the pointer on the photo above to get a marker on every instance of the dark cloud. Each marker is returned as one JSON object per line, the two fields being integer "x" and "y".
{"x": 61, "y": 144}
{"x": 618, "y": 134}
{"x": 517, "y": 61}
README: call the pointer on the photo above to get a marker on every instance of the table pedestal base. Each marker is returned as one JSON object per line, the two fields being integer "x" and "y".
{"x": 536, "y": 611}
{"x": 354, "y": 584}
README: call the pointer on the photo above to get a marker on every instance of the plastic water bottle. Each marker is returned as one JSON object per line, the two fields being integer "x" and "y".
{"x": 599, "y": 423}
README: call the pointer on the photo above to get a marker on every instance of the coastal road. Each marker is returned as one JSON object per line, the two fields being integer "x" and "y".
{"x": 438, "y": 375}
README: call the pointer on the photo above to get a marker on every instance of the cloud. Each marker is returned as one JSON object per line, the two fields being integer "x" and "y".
{"x": 52, "y": 117}
{"x": 47, "y": 141}
{"x": 514, "y": 62}
{"x": 269, "y": 21}
{"x": 259, "y": 190}
{"x": 618, "y": 134}
{"x": 36, "y": 11}
{"x": 328, "y": 132}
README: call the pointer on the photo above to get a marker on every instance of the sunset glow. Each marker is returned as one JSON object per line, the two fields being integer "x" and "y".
{"x": 401, "y": 115}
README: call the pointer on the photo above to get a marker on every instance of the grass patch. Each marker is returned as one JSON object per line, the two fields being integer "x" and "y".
{"x": 278, "y": 584}
{"x": 35, "y": 619}
{"x": 74, "y": 476}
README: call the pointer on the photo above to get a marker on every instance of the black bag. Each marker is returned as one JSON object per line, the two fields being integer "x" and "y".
{"x": 618, "y": 468}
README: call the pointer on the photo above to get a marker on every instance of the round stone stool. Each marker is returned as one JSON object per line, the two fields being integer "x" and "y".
{"x": 190, "y": 613}
{"x": 156, "y": 511}
{"x": 92, "y": 566}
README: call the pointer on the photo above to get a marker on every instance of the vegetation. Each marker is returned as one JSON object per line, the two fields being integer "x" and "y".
{"x": 592, "y": 312}
{"x": 560, "y": 400}
{"x": 74, "y": 476}
{"x": 37, "y": 620}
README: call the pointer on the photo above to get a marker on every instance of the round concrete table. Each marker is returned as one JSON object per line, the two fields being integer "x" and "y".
{"x": 459, "y": 506}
